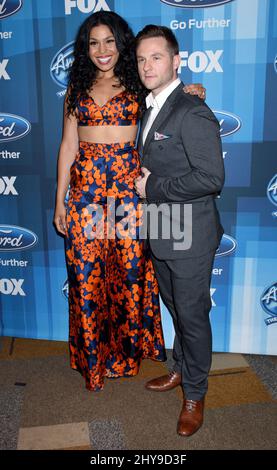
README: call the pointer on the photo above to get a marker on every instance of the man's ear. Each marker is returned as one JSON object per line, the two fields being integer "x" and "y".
{"x": 176, "y": 62}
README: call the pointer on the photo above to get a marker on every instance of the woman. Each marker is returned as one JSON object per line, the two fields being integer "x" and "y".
{"x": 113, "y": 295}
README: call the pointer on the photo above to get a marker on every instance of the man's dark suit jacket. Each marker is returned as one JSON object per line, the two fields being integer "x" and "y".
{"x": 187, "y": 168}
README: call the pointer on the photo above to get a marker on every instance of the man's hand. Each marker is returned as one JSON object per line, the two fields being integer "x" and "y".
{"x": 140, "y": 183}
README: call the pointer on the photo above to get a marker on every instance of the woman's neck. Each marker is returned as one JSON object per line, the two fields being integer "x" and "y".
{"x": 105, "y": 75}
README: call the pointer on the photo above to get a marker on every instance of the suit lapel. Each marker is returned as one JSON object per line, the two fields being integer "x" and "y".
{"x": 162, "y": 116}
{"x": 142, "y": 126}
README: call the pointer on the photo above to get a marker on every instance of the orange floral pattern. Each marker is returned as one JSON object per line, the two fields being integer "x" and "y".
{"x": 120, "y": 110}
{"x": 114, "y": 312}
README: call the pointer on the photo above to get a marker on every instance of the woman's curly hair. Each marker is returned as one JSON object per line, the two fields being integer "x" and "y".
{"x": 83, "y": 72}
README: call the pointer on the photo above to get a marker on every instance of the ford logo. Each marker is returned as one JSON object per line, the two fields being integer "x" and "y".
{"x": 13, "y": 238}
{"x": 61, "y": 64}
{"x": 272, "y": 190}
{"x": 195, "y": 3}
{"x": 269, "y": 303}
{"x": 229, "y": 123}
{"x": 13, "y": 127}
{"x": 275, "y": 64}
{"x": 65, "y": 289}
{"x": 9, "y": 7}
{"x": 227, "y": 246}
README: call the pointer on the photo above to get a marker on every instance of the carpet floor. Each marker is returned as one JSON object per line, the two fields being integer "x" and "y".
{"x": 45, "y": 405}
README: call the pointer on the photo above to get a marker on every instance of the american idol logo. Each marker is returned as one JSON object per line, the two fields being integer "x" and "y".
{"x": 195, "y": 3}
{"x": 67, "y": 196}
{"x": 269, "y": 303}
{"x": 61, "y": 64}
{"x": 65, "y": 289}
{"x": 9, "y": 7}
{"x": 13, "y": 127}
{"x": 13, "y": 238}
{"x": 229, "y": 123}
{"x": 272, "y": 193}
{"x": 227, "y": 246}
{"x": 272, "y": 190}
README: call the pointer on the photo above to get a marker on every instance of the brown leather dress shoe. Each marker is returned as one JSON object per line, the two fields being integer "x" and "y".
{"x": 191, "y": 417}
{"x": 164, "y": 383}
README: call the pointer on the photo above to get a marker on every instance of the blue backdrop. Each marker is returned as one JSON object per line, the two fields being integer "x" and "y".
{"x": 228, "y": 45}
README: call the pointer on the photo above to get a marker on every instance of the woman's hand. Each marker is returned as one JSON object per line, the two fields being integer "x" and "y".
{"x": 195, "y": 89}
{"x": 60, "y": 218}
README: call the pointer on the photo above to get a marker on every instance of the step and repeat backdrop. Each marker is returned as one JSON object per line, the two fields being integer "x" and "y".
{"x": 230, "y": 46}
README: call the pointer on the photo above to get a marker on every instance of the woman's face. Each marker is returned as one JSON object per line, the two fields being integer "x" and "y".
{"x": 102, "y": 48}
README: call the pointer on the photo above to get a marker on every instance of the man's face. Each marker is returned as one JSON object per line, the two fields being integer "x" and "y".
{"x": 157, "y": 65}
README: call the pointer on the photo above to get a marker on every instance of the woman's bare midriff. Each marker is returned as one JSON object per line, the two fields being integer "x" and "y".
{"x": 107, "y": 134}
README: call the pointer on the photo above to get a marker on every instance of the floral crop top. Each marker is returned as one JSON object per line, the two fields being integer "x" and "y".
{"x": 120, "y": 110}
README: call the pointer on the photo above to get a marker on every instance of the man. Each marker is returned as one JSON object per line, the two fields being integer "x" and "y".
{"x": 181, "y": 164}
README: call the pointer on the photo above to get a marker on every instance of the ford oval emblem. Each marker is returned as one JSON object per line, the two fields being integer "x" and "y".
{"x": 196, "y": 3}
{"x": 13, "y": 238}
{"x": 229, "y": 123}
{"x": 9, "y": 7}
{"x": 13, "y": 127}
{"x": 227, "y": 246}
